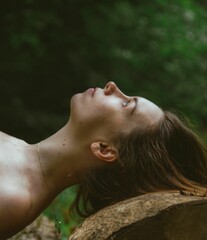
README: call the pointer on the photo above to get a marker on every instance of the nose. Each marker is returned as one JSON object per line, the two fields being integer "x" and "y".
{"x": 110, "y": 88}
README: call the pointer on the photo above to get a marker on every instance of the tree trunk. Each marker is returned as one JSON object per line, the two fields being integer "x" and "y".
{"x": 41, "y": 229}
{"x": 157, "y": 216}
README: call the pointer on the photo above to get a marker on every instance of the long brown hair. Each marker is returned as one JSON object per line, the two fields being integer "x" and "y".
{"x": 168, "y": 156}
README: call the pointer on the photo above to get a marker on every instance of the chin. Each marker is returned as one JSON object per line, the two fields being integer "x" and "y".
{"x": 74, "y": 100}
{"x": 75, "y": 106}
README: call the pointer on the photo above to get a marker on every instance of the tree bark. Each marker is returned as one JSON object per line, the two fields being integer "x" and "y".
{"x": 41, "y": 229}
{"x": 157, "y": 216}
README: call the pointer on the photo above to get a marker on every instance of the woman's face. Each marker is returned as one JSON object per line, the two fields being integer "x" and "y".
{"x": 108, "y": 111}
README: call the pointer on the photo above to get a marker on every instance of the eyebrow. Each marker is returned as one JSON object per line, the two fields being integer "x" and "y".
{"x": 135, "y": 99}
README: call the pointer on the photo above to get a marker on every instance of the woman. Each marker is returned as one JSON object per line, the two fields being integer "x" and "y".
{"x": 113, "y": 145}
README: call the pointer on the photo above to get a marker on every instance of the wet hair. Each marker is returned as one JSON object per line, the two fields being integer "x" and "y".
{"x": 168, "y": 156}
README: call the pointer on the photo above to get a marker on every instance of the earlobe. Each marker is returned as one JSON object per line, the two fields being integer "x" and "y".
{"x": 104, "y": 151}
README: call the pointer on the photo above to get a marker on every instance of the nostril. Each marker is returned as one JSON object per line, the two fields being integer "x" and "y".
{"x": 109, "y": 88}
{"x": 111, "y": 84}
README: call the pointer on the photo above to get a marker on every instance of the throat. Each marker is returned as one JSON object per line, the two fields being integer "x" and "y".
{"x": 57, "y": 169}
{"x": 41, "y": 167}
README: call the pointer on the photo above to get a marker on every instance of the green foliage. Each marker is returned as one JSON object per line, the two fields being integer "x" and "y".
{"x": 153, "y": 50}
{"x": 53, "y": 50}
{"x": 58, "y": 211}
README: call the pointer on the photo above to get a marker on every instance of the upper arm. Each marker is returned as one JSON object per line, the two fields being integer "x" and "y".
{"x": 13, "y": 213}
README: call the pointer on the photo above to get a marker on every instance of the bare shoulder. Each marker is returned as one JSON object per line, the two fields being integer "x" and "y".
{"x": 4, "y": 137}
{"x": 15, "y": 208}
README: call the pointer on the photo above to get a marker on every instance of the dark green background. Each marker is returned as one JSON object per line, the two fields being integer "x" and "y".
{"x": 52, "y": 49}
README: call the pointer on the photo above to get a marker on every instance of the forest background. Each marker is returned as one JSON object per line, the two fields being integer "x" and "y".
{"x": 51, "y": 49}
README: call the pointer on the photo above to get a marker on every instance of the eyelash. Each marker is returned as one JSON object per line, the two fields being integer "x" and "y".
{"x": 126, "y": 103}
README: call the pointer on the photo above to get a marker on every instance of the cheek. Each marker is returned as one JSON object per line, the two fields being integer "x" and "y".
{"x": 104, "y": 113}
{"x": 109, "y": 107}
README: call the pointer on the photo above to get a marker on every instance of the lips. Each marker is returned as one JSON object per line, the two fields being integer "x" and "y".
{"x": 93, "y": 91}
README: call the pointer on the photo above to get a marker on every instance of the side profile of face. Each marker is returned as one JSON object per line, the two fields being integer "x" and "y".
{"x": 101, "y": 113}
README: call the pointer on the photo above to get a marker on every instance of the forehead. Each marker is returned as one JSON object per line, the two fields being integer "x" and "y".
{"x": 148, "y": 110}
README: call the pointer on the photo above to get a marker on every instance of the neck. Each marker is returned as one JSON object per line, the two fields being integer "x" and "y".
{"x": 62, "y": 158}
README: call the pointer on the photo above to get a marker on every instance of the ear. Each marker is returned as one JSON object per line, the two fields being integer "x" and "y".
{"x": 104, "y": 151}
